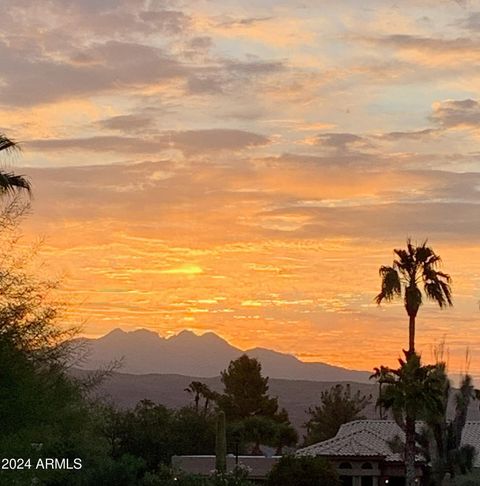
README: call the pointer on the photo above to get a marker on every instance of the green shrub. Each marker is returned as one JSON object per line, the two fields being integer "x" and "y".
{"x": 471, "y": 479}
{"x": 303, "y": 471}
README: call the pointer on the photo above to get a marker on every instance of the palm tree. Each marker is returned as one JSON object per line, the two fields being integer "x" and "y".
{"x": 209, "y": 396}
{"x": 195, "y": 388}
{"x": 465, "y": 395}
{"x": 200, "y": 390}
{"x": 441, "y": 438}
{"x": 413, "y": 267}
{"x": 9, "y": 182}
{"x": 412, "y": 391}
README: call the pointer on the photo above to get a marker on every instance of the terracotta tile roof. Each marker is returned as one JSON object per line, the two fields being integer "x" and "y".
{"x": 360, "y": 438}
{"x": 364, "y": 438}
{"x": 471, "y": 436}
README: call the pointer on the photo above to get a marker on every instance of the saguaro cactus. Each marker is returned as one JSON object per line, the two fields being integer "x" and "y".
{"x": 221, "y": 444}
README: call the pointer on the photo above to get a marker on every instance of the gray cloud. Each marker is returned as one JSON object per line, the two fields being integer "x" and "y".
{"x": 127, "y": 123}
{"x": 106, "y": 18}
{"x": 200, "y": 43}
{"x": 197, "y": 48}
{"x": 93, "y": 48}
{"x": 453, "y": 113}
{"x": 395, "y": 220}
{"x": 107, "y": 143}
{"x": 342, "y": 142}
{"x": 169, "y": 21}
{"x": 216, "y": 139}
{"x": 111, "y": 66}
{"x": 254, "y": 67}
{"x": 205, "y": 84}
{"x": 411, "y": 135}
{"x": 244, "y": 21}
{"x": 470, "y": 23}
{"x": 429, "y": 43}
{"x": 189, "y": 141}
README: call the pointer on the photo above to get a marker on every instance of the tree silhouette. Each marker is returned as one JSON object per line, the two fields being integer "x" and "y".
{"x": 412, "y": 391}
{"x": 285, "y": 436}
{"x": 337, "y": 406}
{"x": 195, "y": 389}
{"x": 201, "y": 390}
{"x": 246, "y": 391}
{"x": 9, "y": 182}
{"x": 413, "y": 267}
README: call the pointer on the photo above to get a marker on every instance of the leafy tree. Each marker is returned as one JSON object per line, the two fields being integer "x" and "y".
{"x": 259, "y": 430}
{"x": 246, "y": 390}
{"x": 191, "y": 432}
{"x": 253, "y": 416}
{"x": 411, "y": 392}
{"x": 303, "y": 471}
{"x": 337, "y": 406}
{"x": 285, "y": 436}
{"x": 142, "y": 432}
{"x": 154, "y": 433}
{"x": 126, "y": 470}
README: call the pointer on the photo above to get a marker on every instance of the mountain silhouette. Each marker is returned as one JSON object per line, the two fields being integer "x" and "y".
{"x": 144, "y": 352}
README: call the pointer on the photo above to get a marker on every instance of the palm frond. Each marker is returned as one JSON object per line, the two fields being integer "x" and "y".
{"x": 7, "y": 144}
{"x": 390, "y": 287}
{"x": 437, "y": 287}
{"x": 424, "y": 254}
{"x": 10, "y": 183}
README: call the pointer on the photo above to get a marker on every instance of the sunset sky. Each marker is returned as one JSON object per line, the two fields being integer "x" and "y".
{"x": 245, "y": 167}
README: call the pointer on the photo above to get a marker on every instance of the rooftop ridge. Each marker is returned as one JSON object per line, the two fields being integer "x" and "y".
{"x": 371, "y": 438}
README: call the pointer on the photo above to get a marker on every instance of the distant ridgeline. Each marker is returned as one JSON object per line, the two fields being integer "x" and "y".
{"x": 145, "y": 351}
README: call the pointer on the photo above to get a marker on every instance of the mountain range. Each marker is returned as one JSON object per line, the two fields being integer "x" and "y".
{"x": 296, "y": 396}
{"x": 159, "y": 369}
{"x": 143, "y": 352}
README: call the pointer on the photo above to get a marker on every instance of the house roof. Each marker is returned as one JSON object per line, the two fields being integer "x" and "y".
{"x": 471, "y": 436}
{"x": 372, "y": 438}
{"x": 362, "y": 438}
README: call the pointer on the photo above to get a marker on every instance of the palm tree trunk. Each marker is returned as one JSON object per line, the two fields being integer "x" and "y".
{"x": 197, "y": 400}
{"x": 205, "y": 409}
{"x": 256, "y": 451}
{"x": 411, "y": 335}
{"x": 410, "y": 451}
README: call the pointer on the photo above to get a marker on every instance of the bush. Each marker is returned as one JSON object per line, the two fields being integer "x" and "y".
{"x": 303, "y": 471}
{"x": 171, "y": 479}
{"x": 471, "y": 479}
